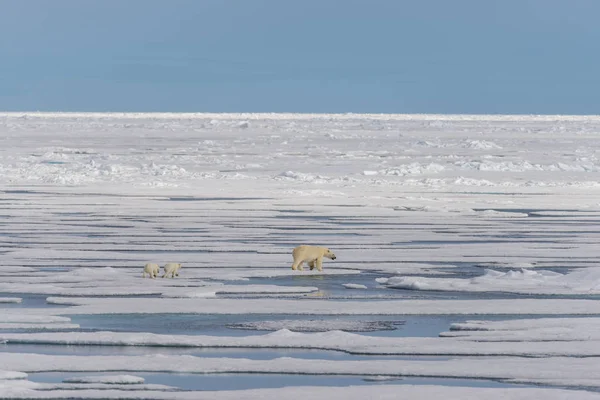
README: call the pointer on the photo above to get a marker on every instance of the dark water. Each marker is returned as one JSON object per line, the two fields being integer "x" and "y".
{"x": 252, "y": 381}
{"x": 217, "y": 325}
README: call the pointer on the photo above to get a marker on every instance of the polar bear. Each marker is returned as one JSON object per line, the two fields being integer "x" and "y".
{"x": 152, "y": 270}
{"x": 173, "y": 269}
{"x": 311, "y": 254}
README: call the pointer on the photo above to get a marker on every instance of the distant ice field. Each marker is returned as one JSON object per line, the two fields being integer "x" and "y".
{"x": 467, "y": 256}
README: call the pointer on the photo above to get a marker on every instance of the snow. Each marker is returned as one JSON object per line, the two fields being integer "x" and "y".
{"x": 354, "y": 286}
{"x": 9, "y": 375}
{"x": 530, "y": 370}
{"x": 9, "y": 325}
{"x": 30, "y": 318}
{"x": 488, "y": 215}
{"x": 524, "y": 343}
{"x": 387, "y": 392}
{"x": 93, "y": 305}
{"x": 10, "y": 300}
{"x": 543, "y": 329}
{"x": 584, "y": 281}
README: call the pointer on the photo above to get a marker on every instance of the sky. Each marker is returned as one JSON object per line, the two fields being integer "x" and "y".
{"x": 322, "y": 56}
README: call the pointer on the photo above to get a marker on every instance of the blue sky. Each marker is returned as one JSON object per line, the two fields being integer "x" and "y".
{"x": 388, "y": 56}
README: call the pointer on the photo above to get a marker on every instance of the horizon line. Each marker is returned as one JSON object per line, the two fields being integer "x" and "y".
{"x": 292, "y": 115}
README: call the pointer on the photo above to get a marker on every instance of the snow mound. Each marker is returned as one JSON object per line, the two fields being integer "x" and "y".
{"x": 502, "y": 214}
{"x": 408, "y": 169}
{"x": 299, "y": 176}
{"x": 430, "y": 144}
{"x": 480, "y": 145}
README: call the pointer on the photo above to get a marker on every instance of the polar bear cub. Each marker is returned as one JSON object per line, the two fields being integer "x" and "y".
{"x": 152, "y": 270}
{"x": 173, "y": 269}
{"x": 311, "y": 254}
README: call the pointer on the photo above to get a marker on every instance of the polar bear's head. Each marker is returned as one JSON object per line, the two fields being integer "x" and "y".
{"x": 329, "y": 254}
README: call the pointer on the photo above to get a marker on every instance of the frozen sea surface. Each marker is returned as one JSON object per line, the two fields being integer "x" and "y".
{"x": 466, "y": 256}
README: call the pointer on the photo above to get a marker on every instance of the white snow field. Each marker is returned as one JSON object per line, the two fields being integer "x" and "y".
{"x": 467, "y": 256}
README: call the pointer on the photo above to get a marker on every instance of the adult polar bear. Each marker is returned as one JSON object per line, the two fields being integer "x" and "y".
{"x": 313, "y": 255}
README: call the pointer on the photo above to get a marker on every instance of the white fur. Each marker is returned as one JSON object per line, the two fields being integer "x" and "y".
{"x": 152, "y": 270}
{"x": 311, "y": 254}
{"x": 173, "y": 269}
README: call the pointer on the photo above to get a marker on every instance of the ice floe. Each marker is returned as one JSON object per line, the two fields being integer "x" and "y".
{"x": 53, "y": 327}
{"x": 542, "y": 329}
{"x": 531, "y": 370}
{"x": 525, "y": 281}
{"x": 354, "y": 286}
{"x": 91, "y": 305}
{"x": 10, "y": 299}
{"x": 9, "y": 375}
{"x": 383, "y": 392}
{"x": 519, "y": 344}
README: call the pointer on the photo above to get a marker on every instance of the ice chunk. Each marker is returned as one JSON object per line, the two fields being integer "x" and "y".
{"x": 354, "y": 286}
{"x": 10, "y": 299}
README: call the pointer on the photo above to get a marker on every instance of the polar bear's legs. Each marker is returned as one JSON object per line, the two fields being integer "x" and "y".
{"x": 297, "y": 265}
{"x": 319, "y": 263}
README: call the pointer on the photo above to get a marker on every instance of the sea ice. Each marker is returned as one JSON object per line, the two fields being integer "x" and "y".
{"x": 10, "y": 299}
{"x": 354, "y": 286}
{"x": 525, "y": 281}
{"x": 524, "y": 343}
{"x": 108, "y": 305}
{"x": 416, "y": 201}
{"x": 382, "y": 392}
